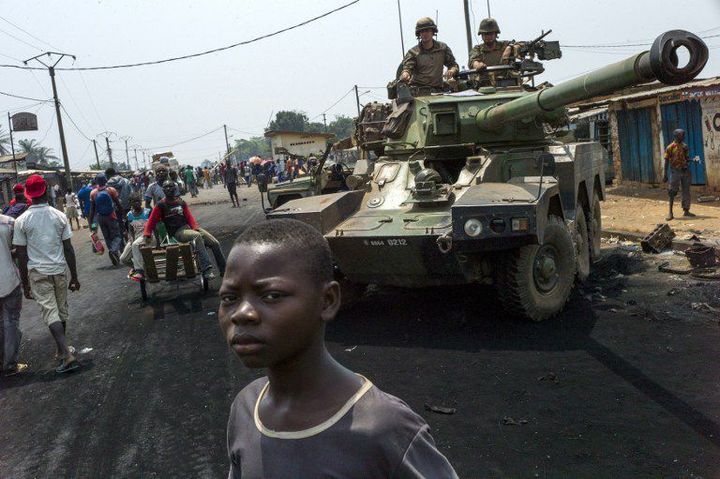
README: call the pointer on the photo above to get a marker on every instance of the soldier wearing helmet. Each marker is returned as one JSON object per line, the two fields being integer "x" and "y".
{"x": 491, "y": 52}
{"x": 423, "y": 64}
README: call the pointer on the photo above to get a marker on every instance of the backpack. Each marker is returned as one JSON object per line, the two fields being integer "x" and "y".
{"x": 104, "y": 203}
{"x": 122, "y": 186}
{"x": 15, "y": 210}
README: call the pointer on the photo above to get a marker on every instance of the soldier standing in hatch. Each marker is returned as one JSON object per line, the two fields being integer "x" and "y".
{"x": 492, "y": 52}
{"x": 423, "y": 64}
{"x": 677, "y": 157}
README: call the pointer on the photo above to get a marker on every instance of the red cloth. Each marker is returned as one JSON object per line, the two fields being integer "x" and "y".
{"x": 28, "y": 201}
{"x": 156, "y": 216}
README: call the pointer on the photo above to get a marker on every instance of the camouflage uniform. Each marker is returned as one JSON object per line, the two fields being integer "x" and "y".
{"x": 490, "y": 56}
{"x": 426, "y": 65}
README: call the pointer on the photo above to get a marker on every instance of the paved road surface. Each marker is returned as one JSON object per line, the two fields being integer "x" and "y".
{"x": 623, "y": 384}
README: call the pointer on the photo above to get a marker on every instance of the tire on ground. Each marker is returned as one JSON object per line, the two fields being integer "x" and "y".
{"x": 582, "y": 246}
{"x": 516, "y": 285}
{"x": 595, "y": 224}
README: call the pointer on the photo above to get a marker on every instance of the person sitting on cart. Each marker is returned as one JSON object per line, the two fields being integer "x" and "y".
{"x": 137, "y": 218}
{"x": 181, "y": 225}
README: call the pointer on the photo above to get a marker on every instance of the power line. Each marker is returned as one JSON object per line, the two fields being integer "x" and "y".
{"x": 185, "y": 141}
{"x": 194, "y": 55}
{"x": 72, "y": 98}
{"x": 22, "y": 97}
{"x": 622, "y": 45}
{"x": 331, "y": 106}
{"x": 28, "y": 33}
{"x": 75, "y": 124}
{"x": 20, "y": 40}
{"x": 92, "y": 102}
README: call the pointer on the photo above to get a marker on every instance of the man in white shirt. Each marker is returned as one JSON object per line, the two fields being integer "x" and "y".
{"x": 42, "y": 236}
{"x": 10, "y": 303}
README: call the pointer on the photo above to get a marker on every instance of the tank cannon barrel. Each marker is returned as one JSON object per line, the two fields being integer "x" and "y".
{"x": 659, "y": 63}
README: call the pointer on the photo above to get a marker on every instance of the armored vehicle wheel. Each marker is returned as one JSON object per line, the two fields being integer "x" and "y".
{"x": 582, "y": 248}
{"x": 595, "y": 228}
{"x": 535, "y": 281}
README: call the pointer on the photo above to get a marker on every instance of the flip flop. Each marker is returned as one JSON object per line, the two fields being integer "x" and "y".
{"x": 67, "y": 367}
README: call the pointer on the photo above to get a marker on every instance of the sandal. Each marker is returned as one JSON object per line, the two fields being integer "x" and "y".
{"x": 66, "y": 367}
{"x": 19, "y": 368}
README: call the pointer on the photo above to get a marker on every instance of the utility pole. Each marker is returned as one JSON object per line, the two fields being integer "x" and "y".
{"x": 51, "y": 70}
{"x": 227, "y": 143}
{"x": 109, "y": 152}
{"x": 466, "y": 5}
{"x": 324, "y": 122}
{"x": 357, "y": 96}
{"x": 12, "y": 146}
{"x": 402, "y": 42}
{"x": 97, "y": 157}
{"x": 127, "y": 154}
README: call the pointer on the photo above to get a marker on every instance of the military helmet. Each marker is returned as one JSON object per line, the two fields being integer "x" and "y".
{"x": 488, "y": 25}
{"x": 423, "y": 24}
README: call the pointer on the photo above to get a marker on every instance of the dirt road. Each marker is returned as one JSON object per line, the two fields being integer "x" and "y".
{"x": 623, "y": 384}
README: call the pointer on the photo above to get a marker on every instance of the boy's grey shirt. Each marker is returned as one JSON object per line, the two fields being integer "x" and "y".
{"x": 378, "y": 437}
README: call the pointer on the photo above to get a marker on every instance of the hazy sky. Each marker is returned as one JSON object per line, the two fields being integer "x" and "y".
{"x": 307, "y": 69}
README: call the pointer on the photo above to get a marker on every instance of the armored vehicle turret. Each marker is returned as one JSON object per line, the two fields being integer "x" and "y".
{"x": 474, "y": 186}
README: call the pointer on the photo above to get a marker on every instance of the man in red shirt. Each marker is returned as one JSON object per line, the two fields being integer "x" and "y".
{"x": 181, "y": 225}
{"x": 104, "y": 201}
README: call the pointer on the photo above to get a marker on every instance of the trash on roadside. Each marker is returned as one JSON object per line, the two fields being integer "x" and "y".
{"x": 351, "y": 349}
{"x": 212, "y": 313}
{"x": 508, "y": 421}
{"x": 704, "y": 307}
{"x": 673, "y": 292}
{"x": 551, "y": 376}
{"x": 658, "y": 239}
{"x": 701, "y": 256}
{"x": 85, "y": 350}
{"x": 707, "y": 198}
{"x": 440, "y": 409}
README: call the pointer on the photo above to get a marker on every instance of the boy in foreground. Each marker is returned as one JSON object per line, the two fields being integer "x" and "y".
{"x": 310, "y": 417}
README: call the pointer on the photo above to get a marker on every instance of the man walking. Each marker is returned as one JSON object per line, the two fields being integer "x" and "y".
{"x": 230, "y": 180}
{"x": 42, "y": 237}
{"x": 677, "y": 158}
{"x": 10, "y": 303}
{"x": 104, "y": 203}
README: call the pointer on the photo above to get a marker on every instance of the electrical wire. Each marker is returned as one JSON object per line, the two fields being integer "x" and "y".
{"x": 23, "y": 97}
{"x": 92, "y": 102}
{"x": 74, "y": 124}
{"x": 331, "y": 106}
{"x": 622, "y": 45}
{"x": 192, "y": 55}
{"x": 24, "y": 107}
{"x": 52, "y": 122}
{"x": 20, "y": 40}
{"x": 72, "y": 98}
{"x": 28, "y": 33}
{"x": 185, "y": 141}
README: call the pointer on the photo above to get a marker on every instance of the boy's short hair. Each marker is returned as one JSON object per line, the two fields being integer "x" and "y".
{"x": 312, "y": 248}
{"x": 135, "y": 198}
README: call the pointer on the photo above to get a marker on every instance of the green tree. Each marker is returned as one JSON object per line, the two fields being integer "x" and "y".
{"x": 342, "y": 127}
{"x": 4, "y": 143}
{"x": 255, "y": 146}
{"x": 289, "y": 120}
{"x": 38, "y": 154}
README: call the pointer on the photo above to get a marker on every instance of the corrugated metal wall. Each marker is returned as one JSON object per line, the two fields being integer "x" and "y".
{"x": 636, "y": 144}
{"x": 686, "y": 115}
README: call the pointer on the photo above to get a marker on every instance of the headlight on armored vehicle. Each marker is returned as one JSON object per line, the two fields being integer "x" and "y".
{"x": 520, "y": 224}
{"x": 473, "y": 227}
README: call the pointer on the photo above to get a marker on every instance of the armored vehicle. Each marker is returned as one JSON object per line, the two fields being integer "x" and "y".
{"x": 474, "y": 187}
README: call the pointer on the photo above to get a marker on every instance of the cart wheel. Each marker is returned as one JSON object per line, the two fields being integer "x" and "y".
{"x": 143, "y": 290}
{"x": 204, "y": 282}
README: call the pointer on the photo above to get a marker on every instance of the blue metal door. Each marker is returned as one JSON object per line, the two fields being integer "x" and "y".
{"x": 686, "y": 115}
{"x": 636, "y": 145}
